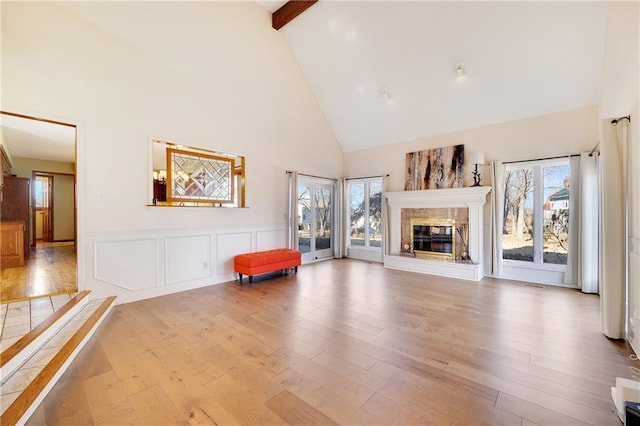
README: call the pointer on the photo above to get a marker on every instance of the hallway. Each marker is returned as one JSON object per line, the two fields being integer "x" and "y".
{"x": 51, "y": 269}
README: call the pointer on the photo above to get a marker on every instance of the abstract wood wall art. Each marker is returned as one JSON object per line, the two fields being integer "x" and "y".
{"x": 436, "y": 168}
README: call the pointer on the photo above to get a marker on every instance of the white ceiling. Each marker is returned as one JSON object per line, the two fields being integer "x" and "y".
{"x": 29, "y": 138}
{"x": 272, "y": 6}
{"x": 522, "y": 59}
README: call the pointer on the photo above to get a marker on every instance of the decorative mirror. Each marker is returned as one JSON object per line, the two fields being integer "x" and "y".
{"x": 188, "y": 176}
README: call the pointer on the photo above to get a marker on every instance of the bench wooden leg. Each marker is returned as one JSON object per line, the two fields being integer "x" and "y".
{"x": 250, "y": 279}
{"x": 296, "y": 269}
{"x": 240, "y": 277}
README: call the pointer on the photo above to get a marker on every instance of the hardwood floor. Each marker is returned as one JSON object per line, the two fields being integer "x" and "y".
{"x": 347, "y": 342}
{"x": 51, "y": 269}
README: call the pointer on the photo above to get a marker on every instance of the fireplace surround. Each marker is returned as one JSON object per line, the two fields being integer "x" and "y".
{"x": 464, "y": 203}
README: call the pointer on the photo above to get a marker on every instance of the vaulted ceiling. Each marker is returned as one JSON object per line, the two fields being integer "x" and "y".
{"x": 384, "y": 72}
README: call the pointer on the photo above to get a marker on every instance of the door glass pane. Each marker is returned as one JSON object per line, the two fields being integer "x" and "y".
{"x": 357, "y": 214}
{"x": 323, "y": 218}
{"x": 556, "y": 214}
{"x": 517, "y": 232}
{"x": 375, "y": 213}
{"x": 39, "y": 193}
{"x": 304, "y": 219}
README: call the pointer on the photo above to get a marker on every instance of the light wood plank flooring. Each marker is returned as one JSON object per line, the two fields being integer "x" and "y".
{"x": 347, "y": 342}
{"x": 51, "y": 269}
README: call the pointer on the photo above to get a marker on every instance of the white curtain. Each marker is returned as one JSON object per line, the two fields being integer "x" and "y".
{"x": 584, "y": 223}
{"x": 385, "y": 217}
{"x": 574, "y": 257}
{"x": 497, "y": 216}
{"x": 292, "y": 211}
{"x": 340, "y": 222}
{"x": 613, "y": 238}
{"x": 590, "y": 222}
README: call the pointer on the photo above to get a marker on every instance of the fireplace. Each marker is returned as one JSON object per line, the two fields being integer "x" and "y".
{"x": 463, "y": 207}
{"x": 434, "y": 238}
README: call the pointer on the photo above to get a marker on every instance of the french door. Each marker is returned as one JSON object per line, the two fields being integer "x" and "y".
{"x": 315, "y": 219}
{"x": 535, "y": 232}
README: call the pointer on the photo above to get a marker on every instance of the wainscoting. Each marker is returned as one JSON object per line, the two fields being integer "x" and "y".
{"x": 144, "y": 264}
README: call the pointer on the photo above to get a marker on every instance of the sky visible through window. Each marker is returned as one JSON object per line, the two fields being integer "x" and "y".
{"x": 554, "y": 177}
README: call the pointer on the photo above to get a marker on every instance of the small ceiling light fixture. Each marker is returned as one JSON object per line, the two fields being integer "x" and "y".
{"x": 385, "y": 93}
{"x": 460, "y": 69}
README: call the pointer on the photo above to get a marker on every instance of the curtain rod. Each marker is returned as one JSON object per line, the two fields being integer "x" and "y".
{"x": 541, "y": 159}
{"x": 615, "y": 121}
{"x": 367, "y": 177}
{"x": 313, "y": 176}
{"x": 594, "y": 149}
{"x": 322, "y": 177}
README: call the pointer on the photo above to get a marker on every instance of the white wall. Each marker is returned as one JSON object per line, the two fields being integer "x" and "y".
{"x": 24, "y": 167}
{"x": 620, "y": 81}
{"x": 563, "y": 133}
{"x": 620, "y": 97}
{"x": 208, "y": 74}
{"x": 63, "y": 208}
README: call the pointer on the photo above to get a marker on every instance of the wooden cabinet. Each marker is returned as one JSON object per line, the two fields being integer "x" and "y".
{"x": 160, "y": 190}
{"x": 15, "y": 205}
{"x": 12, "y": 244}
{"x": 5, "y": 169}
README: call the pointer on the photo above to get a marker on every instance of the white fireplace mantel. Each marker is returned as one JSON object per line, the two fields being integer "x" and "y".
{"x": 472, "y": 197}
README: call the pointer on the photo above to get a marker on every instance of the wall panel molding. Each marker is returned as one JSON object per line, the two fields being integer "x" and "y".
{"x": 138, "y": 265}
{"x": 128, "y": 264}
{"x": 187, "y": 258}
{"x": 228, "y": 245}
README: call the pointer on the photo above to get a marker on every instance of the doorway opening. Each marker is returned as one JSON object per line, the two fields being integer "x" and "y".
{"x": 42, "y": 203}
{"x": 315, "y": 219}
{"x": 41, "y": 152}
{"x": 53, "y": 205}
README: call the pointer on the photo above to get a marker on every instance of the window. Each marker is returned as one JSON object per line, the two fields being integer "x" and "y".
{"x": 315, "y": 218}
{"x": 365, "y": 212}
{"x": 536, "y": 212}
{"x": 187, "y": 176}
{"x": 41, "y": 196}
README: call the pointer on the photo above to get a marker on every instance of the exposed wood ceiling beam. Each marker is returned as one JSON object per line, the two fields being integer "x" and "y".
{"x": 289, "y": 11}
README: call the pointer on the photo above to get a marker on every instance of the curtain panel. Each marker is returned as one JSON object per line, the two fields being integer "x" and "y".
{"x": 340, "y": 225}
{"x": 613, "y": 238}
{"x": 292, "y": 211}
{"x": 497, "y": 216}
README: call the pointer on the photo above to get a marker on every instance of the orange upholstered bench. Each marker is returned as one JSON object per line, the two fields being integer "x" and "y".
{"x": 260, "y": 262}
